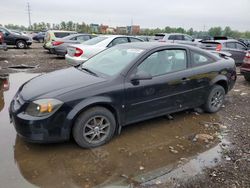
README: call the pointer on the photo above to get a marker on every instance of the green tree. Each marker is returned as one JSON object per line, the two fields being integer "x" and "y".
{"x": 228, "y": 32}
{"x": 215, "y": 31}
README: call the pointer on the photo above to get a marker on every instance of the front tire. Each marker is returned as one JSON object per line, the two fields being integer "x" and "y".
{"x": 215, "y": 99}
{"x": 94, "y": 127}
{"x": 21, "y": 44}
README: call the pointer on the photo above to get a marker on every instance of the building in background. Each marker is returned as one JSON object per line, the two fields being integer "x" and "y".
{"x": 111, "y": 30}
{"x": 133, "y": 30}
{"x": 94, "y": 28}
{"x": 121, "y": 30}
{"x": 103, "y": 29}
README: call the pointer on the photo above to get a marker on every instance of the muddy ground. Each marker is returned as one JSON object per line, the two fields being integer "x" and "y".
{"x": 189, "y": 149}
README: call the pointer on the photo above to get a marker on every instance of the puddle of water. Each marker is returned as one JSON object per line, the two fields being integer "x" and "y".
{"x": 140, "y": 149}
{"x": 22, "y": 67}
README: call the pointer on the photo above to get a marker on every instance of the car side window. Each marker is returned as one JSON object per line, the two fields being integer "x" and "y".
{"x": 231, "y": 45}
{"x": 83, "y": 38}
{"x": 163, "y": 62}
{"x": 3, "y": 31}
{"x": 240, "y": 46}
{"x": 134, "y": 40}
{"x": 187, "y": 38}
{"x": 171, "y": 37}
{"x": 200, "y": 59}
{"x": 61, "y": 35}
{"x": 119, "y": 40}
{"x": 179, "y": 37}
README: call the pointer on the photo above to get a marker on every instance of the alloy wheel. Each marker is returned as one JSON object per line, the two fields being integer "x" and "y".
{"x": 96, "y": 129}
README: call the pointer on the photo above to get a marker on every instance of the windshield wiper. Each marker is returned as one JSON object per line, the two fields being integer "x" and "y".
{"x": 89, "y": 71}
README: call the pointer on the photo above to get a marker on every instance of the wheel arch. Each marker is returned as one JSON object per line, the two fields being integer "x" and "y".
{"x": 100, "y": 102}
{"x": 222, "y": 81}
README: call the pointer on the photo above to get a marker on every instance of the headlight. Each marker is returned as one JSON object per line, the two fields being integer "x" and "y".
{"x": 43, "y": 107}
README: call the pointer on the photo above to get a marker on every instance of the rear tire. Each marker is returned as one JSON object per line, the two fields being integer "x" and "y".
{"x": 215, "y": 99}
{"x": 20, "y": 44}
{"x": 40, "y": 40}
{"x": 247, "y": 77}
{"x": 94, "y": 127}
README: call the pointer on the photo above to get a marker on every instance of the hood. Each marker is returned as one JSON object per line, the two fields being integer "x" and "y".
{"x": 56, "y": 83}
{"x": 20, "y": 36}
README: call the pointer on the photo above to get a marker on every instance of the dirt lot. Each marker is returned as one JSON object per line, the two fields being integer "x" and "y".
{"x": 194, "y": 149}
{"x": 34, "y": 56}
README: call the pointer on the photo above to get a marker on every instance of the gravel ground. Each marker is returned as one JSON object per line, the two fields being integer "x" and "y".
{"x": 34, "y": 56}
{"x": 234, "y": 169}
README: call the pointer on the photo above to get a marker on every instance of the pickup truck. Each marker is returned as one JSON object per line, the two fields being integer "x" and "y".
{"x": 3, "y": 45}
{"x": 13, "y": 38}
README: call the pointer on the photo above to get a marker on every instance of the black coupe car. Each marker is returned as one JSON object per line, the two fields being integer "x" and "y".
{"x": 124, "y": 84}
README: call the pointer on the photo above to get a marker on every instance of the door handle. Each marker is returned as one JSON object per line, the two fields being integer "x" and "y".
{"x": 185, "y": 79}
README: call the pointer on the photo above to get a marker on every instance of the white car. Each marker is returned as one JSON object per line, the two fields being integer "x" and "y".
{"x": 77, "y": 54}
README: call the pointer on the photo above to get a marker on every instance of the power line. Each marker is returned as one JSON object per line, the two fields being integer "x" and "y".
{"x": 29, "y": 11}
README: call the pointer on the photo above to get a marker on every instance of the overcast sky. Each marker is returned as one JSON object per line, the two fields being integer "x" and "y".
{"x": 147, "y": 13}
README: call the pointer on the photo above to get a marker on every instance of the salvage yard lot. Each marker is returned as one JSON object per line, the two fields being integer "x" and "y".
{"x": 156, "y": 153}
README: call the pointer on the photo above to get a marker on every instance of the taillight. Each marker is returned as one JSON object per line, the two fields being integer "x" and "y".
{"x": 6, "y": 85}
{"x": 218, "y": 47}
{"x": 1, "y": 36}
{"x": 247, "y": 55}
{"x": 78, "y": 52}
{"x": 56, "y": 43}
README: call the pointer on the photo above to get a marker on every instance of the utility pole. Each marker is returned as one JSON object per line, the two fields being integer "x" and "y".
{"x": 28, "y": 6}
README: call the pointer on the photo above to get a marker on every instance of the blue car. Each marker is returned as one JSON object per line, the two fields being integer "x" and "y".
{"x": 39, "y": 37}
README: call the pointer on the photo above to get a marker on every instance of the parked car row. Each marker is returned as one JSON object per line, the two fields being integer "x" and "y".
{"x": 60, "y": 45}
{"x": 77, "y": 54}
{"x": 52, "y": 35}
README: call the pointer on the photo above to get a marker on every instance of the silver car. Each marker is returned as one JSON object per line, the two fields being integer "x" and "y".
{"x": 59, "y": 46}
{"x": 237, "y": 49}
{"x": 77, "y": 54}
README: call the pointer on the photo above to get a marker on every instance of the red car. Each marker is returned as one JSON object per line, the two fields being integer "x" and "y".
{"x": 2, "y": 43}
{"x": 245, "y": 68}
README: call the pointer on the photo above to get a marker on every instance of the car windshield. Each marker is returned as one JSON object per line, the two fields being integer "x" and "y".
{"x": 112, "y": 61}
{"x": 95, "y": 40}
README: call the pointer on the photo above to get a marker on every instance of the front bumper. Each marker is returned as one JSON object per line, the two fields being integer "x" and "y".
{"x": 39, "y": 129}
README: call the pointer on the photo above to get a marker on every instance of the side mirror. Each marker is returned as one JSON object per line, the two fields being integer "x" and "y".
{"x": 193, "y": 40}
{"x": 142, "y": 75}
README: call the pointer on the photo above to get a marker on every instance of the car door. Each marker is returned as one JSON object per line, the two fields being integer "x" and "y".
{"x": 166, "y": 92}
{"x": 232, "y": 49}
{"x": 241, "y": 52}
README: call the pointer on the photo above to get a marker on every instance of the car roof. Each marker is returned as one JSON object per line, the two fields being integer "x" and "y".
{"x": 113, "y": 36}
{"x": 61, "y": 31}
{"x": 170, "y": 34}
{"x": 152, "y": 45}
{"x": 221, "y": 41}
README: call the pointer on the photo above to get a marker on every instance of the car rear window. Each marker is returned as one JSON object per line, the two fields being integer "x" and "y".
{"x": 95, "y": 40}
{"x": 199, "y": 59}
{"x": 210, "y": 44}
{"x": 61, "y": 35}
{"x": 159, "y": 36}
